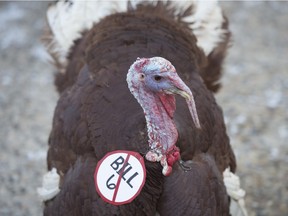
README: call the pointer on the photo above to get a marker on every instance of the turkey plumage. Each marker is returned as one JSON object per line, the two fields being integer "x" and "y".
{"x": 96, "y": 113}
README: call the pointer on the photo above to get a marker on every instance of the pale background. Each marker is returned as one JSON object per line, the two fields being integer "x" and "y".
{"x": 254, "y": 99}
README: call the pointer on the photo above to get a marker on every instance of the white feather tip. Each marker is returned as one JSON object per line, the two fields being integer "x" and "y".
{"x": 237, "y": 194}
{"x": 206, "y": 23}
{"x": 50, "y": 185}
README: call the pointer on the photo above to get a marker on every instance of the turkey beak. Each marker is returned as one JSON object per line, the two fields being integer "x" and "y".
{"x": 180, "y": 88}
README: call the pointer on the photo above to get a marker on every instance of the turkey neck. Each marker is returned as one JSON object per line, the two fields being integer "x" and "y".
{"x": 159, "y": 110}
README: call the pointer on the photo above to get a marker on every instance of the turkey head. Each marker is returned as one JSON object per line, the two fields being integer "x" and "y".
{"x": 154, "y": 82}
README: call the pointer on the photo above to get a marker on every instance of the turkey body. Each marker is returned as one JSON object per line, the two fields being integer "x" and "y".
{"x": 97, "y": 114}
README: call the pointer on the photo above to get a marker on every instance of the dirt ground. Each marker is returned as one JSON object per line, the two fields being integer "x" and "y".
{"x": 254, "y": 98}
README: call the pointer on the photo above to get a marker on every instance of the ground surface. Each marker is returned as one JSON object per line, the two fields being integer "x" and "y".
{"x": 254, "y": 99}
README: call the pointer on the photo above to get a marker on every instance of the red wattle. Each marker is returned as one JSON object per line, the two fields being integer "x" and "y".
{"x": 169, "y": 103}
{"x": 173, "y": 156}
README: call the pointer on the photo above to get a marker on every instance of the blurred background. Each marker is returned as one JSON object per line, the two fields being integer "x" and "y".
{"x": 254, "y": 99}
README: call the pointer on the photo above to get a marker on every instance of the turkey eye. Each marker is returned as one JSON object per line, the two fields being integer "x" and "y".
{"x": 142, "y": 76}
{"x": 157, "y": 78}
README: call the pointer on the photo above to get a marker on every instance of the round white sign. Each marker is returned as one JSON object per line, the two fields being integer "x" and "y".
{"x": 120, "y": 176}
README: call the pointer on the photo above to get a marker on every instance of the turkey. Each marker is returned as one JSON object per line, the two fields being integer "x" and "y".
{"x": 140, "y": 76}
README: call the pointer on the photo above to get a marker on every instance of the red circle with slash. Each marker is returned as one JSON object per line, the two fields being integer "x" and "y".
{"x": 120, "y": 176}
